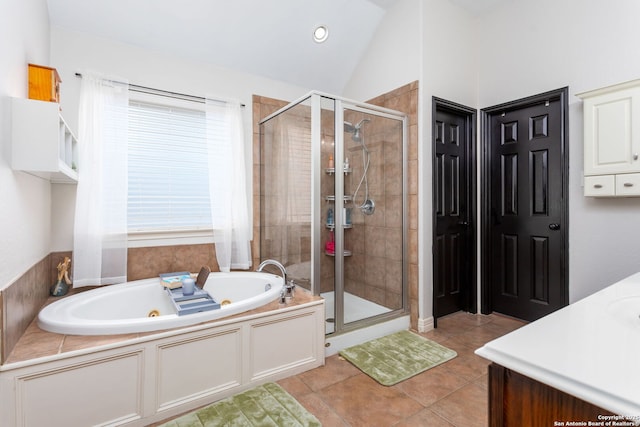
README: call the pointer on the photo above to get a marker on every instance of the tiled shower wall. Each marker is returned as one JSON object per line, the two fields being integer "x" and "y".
{"x": 374, "y": 271}
{"x": 405, "y": 99}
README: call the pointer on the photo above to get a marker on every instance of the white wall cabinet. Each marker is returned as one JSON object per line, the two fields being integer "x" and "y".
{"x": 612, "y": 140}
{"x": 41, "y": 142}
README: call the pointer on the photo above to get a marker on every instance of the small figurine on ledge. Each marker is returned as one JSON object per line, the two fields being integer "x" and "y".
{"x": 62, "y": 286}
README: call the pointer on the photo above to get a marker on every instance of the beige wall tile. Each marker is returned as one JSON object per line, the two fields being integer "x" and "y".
{"x": 21, "y": 302}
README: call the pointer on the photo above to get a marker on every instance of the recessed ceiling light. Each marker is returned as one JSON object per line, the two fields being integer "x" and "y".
{"x": 320, "y": 34}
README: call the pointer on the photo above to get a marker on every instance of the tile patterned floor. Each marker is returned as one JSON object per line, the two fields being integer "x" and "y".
{"x": 453, "y": 394}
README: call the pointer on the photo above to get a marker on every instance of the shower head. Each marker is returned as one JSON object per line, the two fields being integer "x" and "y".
{"x": 355, "y": 129}
{"x": 357, "y": 136}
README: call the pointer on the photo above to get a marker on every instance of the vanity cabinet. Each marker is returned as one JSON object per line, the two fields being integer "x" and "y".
{"x": 517, "y": 400}
{"x": 612, "y": 140}
{"x": 576, "y": 364}
{"x": 42, "y": 143}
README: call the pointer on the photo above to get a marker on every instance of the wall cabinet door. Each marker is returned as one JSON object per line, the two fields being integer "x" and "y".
{"x": 612, "y": 129}
{"x": 600, "y": 186}
{"x": 628, "y": 184}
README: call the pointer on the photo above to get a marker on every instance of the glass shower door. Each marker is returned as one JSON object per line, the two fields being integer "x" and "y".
{"x": 333, "y": 203}
{"x": 375, "y": 203}
{"x": 285, "y": 191}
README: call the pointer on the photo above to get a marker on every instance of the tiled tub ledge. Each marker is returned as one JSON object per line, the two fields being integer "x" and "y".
{"x": 37, "y": 343}
{"x": 136, "y": 379}
{"x": 21, "y": 300}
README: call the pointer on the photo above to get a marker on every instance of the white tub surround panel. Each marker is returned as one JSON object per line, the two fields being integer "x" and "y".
{"x": 178, "y": 381}
{"x": 148, "y": 379}
{"x": 588, "y": 349}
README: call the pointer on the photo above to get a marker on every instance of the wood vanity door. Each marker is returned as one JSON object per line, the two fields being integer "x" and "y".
{"x": 516, "y": 400}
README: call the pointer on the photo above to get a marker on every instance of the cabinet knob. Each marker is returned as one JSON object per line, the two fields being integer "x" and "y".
{"x": 635, "y": 156}
{"x": 597, "y": 185}
{"x": 628, "y": 184}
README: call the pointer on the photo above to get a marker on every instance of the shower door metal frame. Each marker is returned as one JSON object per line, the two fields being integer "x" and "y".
{"x": 338, "y": 184}
{"x": 316, "y": 191}
{"x": 340, "y": 104}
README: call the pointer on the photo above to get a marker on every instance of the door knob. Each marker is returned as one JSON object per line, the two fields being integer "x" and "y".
{"x": 554, "y": 226}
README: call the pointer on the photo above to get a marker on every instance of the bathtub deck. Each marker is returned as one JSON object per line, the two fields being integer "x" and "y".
{"x": 36, "y": 343}
{"x": 146, "y": 373}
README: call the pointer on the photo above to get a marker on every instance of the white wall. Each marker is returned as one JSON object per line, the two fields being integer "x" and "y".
{"x": 432, "y": 41}
{"x": 531, "y": 47}
{"x": 449, "y": 71}
{"x": 25, "y": 225}
{"x": 73, "y": 52}
{"x": 393, "y": 56}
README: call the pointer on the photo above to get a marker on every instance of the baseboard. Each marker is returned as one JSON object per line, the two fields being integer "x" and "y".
{"x": 425, "y": 325}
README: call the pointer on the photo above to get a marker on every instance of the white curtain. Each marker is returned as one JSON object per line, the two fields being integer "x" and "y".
{"x": 227, "y": 185}
{"x": 100, "y": 227}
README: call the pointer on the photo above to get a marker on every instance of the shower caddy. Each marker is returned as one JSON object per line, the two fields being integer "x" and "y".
{"x": 331, "y": 225}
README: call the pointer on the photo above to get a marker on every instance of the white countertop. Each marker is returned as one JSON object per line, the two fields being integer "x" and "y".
{"x": 589, "y": 349}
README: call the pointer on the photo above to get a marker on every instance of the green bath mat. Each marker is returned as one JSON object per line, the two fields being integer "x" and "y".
{"x": 265, "y": 405}
{"x": 396, "y": 357}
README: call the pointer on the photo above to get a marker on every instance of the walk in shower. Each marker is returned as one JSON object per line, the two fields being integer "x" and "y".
{"x": 333, "y": 205}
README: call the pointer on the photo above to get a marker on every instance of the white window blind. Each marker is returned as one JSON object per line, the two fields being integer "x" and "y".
{"x": 168, "y": 168}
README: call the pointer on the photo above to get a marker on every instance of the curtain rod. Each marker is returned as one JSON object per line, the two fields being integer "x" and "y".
{"x": 169, "y": 94}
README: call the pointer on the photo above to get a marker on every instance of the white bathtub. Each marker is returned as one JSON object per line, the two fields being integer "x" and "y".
{"x": 125, "y": 308}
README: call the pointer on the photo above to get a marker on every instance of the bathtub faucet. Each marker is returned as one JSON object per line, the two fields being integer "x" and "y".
{"x": 287, "y": 289}
{"x": 264, "y": 263}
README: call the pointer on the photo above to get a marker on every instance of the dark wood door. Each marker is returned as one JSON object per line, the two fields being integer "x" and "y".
{"x": 527, "y": 207}
{"x": 453, "y": 179}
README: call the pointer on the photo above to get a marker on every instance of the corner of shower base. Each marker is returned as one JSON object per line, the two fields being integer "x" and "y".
{"x": 339, "y": 342}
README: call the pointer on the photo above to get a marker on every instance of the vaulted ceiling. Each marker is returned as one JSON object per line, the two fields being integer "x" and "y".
{"x": 267, "y": 38}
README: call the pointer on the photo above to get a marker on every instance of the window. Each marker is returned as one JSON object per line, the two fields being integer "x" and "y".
{"x": 168, "y": 168}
